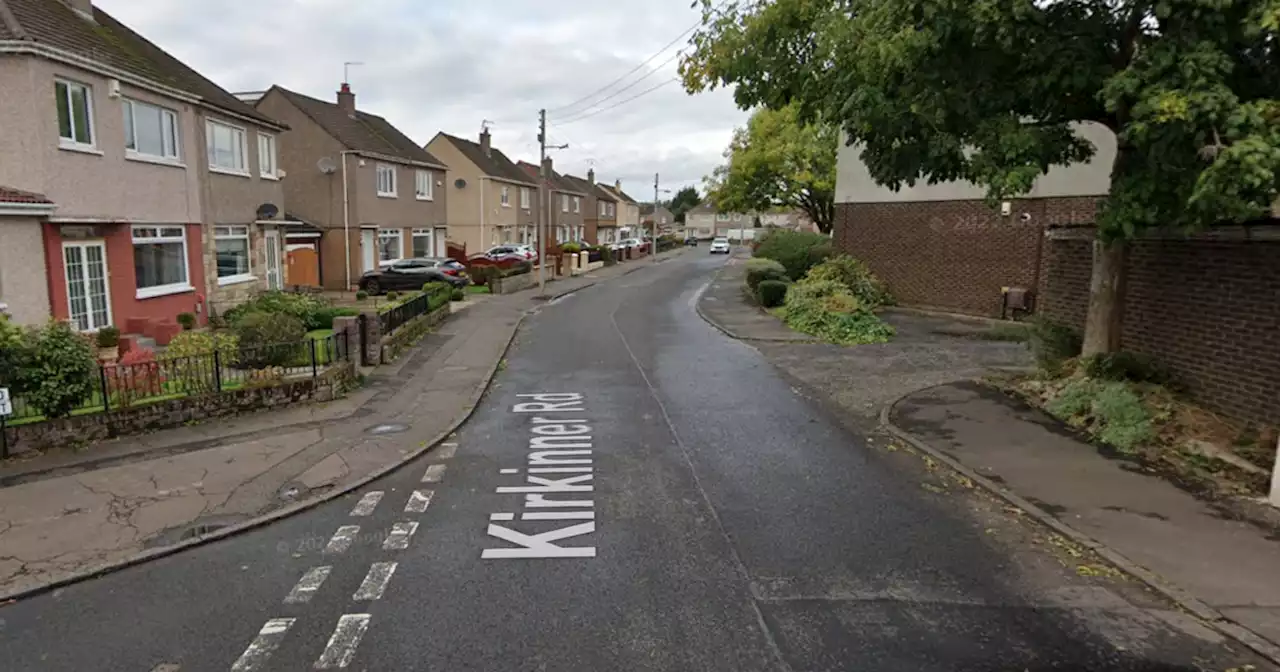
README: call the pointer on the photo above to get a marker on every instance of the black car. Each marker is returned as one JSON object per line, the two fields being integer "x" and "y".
{"x": 691, "y": 242}
{"x": 411, "y": 274}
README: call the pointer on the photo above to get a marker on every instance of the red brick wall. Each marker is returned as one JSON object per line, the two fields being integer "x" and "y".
{"x": 954, "y": 255}
{"x": 1210, "y": 310}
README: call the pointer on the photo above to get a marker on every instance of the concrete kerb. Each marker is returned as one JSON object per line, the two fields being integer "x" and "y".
{"x": 697, "y": 307}
{"x": 1211, "y": 617}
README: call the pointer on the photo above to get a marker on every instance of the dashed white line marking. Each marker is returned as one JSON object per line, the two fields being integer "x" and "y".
{"x": 342, "y": 645}
{"x": 560, "y": 470}
{"x": 308, "y": 585}
{"x": 434, "y": 473}
{"x": 559, "y": 515}
{"x": 375, "y": 582}
{"x": 367, "y": 504}
{"x": 342, "y": 539}
{"x": 445, "y": 451}
{"x": 262, "y": 646}
{"x": 502, "y": 516}
{"x": 398, "y": 540}
{"x": 508, "y": 471}
{"x": 418, "y": 501}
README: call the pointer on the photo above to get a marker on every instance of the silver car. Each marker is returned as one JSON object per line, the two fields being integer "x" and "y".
{"x": 720, "y": 246}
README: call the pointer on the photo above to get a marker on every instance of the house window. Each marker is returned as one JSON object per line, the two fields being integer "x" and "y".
{"x": 75, "y": 113}
{"x": 422, "y": 242}
{"x": 506, "y": 197}
{"x": 226, "y": 148}
{"x": 609, "y": 209}
{"x": 564, "y": 202}
{"x": 267, "y": 156}
{"x": 232, "y": 245}
{"x": 386, "y": 180}
{"x": 160, "y": 260}
{"x": 150, "y": 130}
{"x": 390, "y": 245}
{"x": 524, "y": 198}
{"x": 577, "y": 204}
{"x": 601, "y": 208}
{"x": 423, "y": 185}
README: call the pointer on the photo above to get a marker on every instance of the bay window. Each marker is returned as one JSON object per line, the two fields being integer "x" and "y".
{"x": 232, "y": 245}
{"x": 160, "y": 260}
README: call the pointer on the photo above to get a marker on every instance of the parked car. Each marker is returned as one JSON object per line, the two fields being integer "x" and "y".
{"x": 720, "y": 245}
{"x": 691, "y": 242}
{"x": 627, "y": 243}
{"x": 512, "y": 252}
{"x": 410, "y": 274}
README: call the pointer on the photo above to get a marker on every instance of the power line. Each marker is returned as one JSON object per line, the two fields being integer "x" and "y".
{"x": 617, "y": 104}
{"x": 615, "y": 94}
{"x": 635, "y": 69}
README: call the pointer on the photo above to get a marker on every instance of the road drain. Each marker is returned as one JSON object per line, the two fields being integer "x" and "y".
{"x": 201, "y": 530}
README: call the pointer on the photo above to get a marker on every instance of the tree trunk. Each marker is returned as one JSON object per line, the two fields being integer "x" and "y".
{"x": 1106, "y": 297}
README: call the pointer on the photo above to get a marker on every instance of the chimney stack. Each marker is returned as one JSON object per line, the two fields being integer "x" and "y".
{"x": 347, "y": 100}
{"x": 617, "y": 184}
{"x": 546, "y": 167}
{"x": 591, "y": 176}
{"x": 485, "y": 142}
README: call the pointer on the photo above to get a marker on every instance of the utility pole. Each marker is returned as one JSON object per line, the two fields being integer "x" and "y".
{"x": 544, "y": 214}
{"x": 653, "y": 237}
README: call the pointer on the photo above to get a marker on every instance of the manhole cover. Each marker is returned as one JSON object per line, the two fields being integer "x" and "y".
{"x": 389, "y": 428}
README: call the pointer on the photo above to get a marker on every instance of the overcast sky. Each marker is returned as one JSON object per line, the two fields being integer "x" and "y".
{"x": 432, "y": 65}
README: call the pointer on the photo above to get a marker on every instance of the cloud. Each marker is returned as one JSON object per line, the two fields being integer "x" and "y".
{"x": 448, "y": 65}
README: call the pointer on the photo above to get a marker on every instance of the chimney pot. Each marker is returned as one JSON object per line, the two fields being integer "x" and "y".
{"x": 347, "y": 99}
{"x": 591, "y": 175}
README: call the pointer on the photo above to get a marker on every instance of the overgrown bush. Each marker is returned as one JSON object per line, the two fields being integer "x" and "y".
{"x": 826, "y": 309}
{"x": 269, "y": 339}
{"x": 457, "y": 295}
{"x": 794, "y": 250}
{"x": 305, "y": 307}
{"x": 1053, "y": 343}
{"x": 1131, "y": 366}
{"x": 61, "y": 371}
{"x": 1108, "y": 410}
{"x": 187, "y": 321}
{"x": 323, "y": 318}
{"x": 571, "y": 248}
{"x": 189, "y": 358}
{"x": 855, "y": 276}
{"x": 759, "y": 270}
{"x": 771, "y": 293}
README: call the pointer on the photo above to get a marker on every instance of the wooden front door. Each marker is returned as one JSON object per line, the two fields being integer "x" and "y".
{"x": 304, "y": 266}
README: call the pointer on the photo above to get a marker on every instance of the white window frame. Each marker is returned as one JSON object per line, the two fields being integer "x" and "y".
{"x": 600, "y": 209}
{"x": 525, "y": 199}
{"x": 577, "y": 204}
{"x": 430, "y": 235}
{"x": 564, "y": 202}
{"x": 268, "y": 157}
{"x": 167, "y": 117}
{"x": 421, "y": 178}
{"x": 72, "y": 142}
{"x": 386, "y": 233}
{"x": 505, "y": 197}
{"x": 160, "y": 237}
{"x": 380, "y": 170}
{"x": 234, "y": 232}
{"x": 237, "y": 131}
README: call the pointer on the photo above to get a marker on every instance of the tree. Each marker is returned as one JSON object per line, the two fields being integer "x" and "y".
{"x": 686, "y": 199}
{"x": 942, "y": 90}
{"x": 778, "y": 161}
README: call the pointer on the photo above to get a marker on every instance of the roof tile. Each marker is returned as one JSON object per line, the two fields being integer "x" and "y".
{"x": 494, "y": 164}
{"x": 11, "y": 195}
{"x": 364, "y": 132}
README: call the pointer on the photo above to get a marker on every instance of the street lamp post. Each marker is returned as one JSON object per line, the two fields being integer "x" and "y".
{"x": 653, "y": 228}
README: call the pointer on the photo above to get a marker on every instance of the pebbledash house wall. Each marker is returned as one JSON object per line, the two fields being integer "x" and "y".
{"x": 1206, "y": 306}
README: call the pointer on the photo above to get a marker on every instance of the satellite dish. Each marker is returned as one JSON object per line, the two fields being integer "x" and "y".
{"x": 268, "y": 211}
{"x": 326, "y": 165}
{"x": 460, "y": 183}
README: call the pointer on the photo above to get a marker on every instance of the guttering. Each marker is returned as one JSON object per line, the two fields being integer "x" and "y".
{"x": 26, "y": 209}
{"x": 398, "y": 159}
{"x": 346, "y": 214}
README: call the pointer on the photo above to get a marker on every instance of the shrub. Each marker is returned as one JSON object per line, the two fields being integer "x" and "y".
{"x": 771, "y": 293}
{"x": 438, "y": 294}
{"x": 1131, "y": 366}
{"x": 854, "y": 276}
{"x": 61, "y": 371}
{"x": 792, "y": 249}
{"x": 482, "y": 275}
{"x": 571, "y": 248}
{"x": 136, "y": 376}
{"x": 1053, "y": 343}
{"x": 392, "y": 296}
{"x": 518, "y": 269}
{"x": 187, "y": 321}
{"x": 1107, "y": 409}
{"x": 759, "y": 270}
{"x": 826, "y": 309}
{"x": 189, "y": 359}
{"x": 108, "y": 337}
{"x": 323, "y": 318}
{"x": 269, "y": 339}
{"x": 457, "y": 295}
{"x": 362, "y": 295}
{"x": 15, "y": 354}
{"x": 305, "y": 307}
{"x": 217, "y": 321}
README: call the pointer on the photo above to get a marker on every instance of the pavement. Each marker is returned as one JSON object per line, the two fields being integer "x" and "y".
{"x": 69, "y": 513}
{"x": 1207, "y": 557}
{"x": 635, "y": 491}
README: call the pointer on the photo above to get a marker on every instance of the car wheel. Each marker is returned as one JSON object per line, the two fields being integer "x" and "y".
{"x": 373, "y": 287}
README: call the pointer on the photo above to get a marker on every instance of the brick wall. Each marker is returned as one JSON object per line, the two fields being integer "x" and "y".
{"x": 954, "y": 255}
{"x": 1208, "y": 309}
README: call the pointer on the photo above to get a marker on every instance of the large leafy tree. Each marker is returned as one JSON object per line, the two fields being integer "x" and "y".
{"x": 778, "y": 161}
{"x": 686, "y": 199}
{"x": 988, "y": 90}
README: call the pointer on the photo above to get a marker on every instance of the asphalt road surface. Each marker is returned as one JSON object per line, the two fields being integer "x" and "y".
{"x": 636, "y": 492}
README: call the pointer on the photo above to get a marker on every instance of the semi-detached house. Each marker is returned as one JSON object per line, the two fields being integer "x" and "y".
{"x": 362, "y": 195}
{"x": 601, "y": 209}
{"x": 564, "y": 218}
{"x": 491, "y": 200}
{"x": 132, "y": 188}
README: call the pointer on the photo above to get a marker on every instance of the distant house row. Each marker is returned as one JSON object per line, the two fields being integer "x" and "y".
{"x": 133, "y": 189}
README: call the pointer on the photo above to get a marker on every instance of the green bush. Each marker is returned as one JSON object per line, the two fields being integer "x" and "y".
{"x": 61, "y": 371}
{"x": 362, "y": 295}
{"x": 323, "y": 318}
{"x": 771, "y": 293}
{"x": 1131, "y": 366}
{"x": 826, "y": 309}
{"x": 571, "y": 248}
{"x": 794, "y": 250}
{"x": 392, "y": 296}
{"x": 187, "y": 321}
{"x": 759, "y": 270}
{"x": 269, "y": 339}
{"x": 1053, "y": 343}
{"x": 305, "y": 307}
{"x": 855, "y": 276}
{"x": 438, "y": 294}
{"x": 1107, "y": 409}
{"x": 108, "y": 337}
{"x": 15, "y": 354}
{"x": 189, "y": 362}
{"x": 457, "y": 295}
{"x": 518, "y": 269}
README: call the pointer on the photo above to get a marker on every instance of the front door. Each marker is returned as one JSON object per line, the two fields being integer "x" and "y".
{"x": 274, "y": 278}
{"x": 86, "y": 268}
{"x": 441, "y": 234}
{"x": 369, "y": 248}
